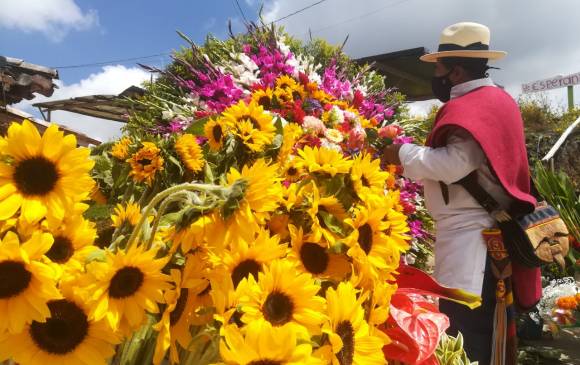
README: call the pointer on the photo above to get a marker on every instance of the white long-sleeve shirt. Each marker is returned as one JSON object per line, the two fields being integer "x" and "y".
{"x": 460, "y": 251}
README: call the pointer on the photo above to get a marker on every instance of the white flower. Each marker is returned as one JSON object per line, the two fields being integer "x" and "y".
{"x": 167, "y": 114}
{"x": 282, "y": 46}
{"x": 313, "y": 124}
{"x": 333, "y": 135}
{"x": 336, "y": 115}
{"x": 331, "y": 146}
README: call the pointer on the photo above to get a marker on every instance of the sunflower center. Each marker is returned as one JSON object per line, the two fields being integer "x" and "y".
{"x": 252, "y": 120}
{"x": 125, "y": 282}
{"x": 144, "y": 161}
{"x": 61, "y": 251}
{"x": 346, "y": 355}
{"x": 292, "y": 171}
{"x": 244, "y": 269}
{"x": 365, "y": 181}
{"x": 105, "y": 237}
{"x": 314, "y": 258}
{"x": 14, "y": 278}
{"x": 66, "y": 328}
{"x": 35, "y": 176}
{"x": 365, "y": 237}
{"x": 264, "y": 362}
{"x": 217, "y": 133}
{"x": 265, "y": 101}
{"x": 175, "y": 315}
{"x": 278, "y": 308}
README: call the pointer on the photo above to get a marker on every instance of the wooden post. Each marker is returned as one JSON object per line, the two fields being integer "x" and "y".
{"x": 570, "y": 97}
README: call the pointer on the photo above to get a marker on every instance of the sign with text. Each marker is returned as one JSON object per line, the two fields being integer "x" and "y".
{"x": 551, "y": 83}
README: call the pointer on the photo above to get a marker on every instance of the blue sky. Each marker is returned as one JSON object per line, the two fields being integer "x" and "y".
{"x": 540, "y": 37}
{"x": 123, "y": 29}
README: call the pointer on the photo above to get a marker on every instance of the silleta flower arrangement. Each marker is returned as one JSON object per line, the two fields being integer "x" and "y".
{"x": 243, "y": 218}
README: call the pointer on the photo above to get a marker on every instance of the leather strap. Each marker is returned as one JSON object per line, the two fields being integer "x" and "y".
{"x": 472, "y": 186}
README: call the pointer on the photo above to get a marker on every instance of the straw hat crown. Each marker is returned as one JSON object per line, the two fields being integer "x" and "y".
{"x": 464, "y": 39}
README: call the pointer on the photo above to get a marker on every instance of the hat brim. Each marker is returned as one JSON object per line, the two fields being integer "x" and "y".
{"x": 490, "y": 55}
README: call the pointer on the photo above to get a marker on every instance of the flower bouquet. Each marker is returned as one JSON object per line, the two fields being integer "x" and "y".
{"x": 243, "y": 218}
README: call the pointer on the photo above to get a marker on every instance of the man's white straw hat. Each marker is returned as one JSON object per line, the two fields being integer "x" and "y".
{"x": 464, "y": 39}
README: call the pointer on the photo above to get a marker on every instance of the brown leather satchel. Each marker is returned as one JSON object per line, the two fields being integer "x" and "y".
{"x": 533, "y": 239}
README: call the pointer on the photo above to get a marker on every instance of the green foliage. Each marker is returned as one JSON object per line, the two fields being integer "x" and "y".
{"x": 540, "y": 115}
{"x": 559, "y": 191}
{"x": 450, "y": 351}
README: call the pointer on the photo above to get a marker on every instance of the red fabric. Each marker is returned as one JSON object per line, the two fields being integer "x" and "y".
{"x": 527, "y": 286}
{"x": 493, "y": 118}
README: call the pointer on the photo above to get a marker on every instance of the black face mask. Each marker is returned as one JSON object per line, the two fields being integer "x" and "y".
{"x": 441, "y": 86}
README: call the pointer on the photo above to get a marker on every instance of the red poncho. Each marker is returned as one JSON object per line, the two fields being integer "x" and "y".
{"x": 493, "y": 118}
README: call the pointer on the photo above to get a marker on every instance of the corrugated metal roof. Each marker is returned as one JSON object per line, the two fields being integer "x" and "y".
{"x": 404, "y": 71}
{"x": 21, "y": 80}
{"x": 111, "y": 107}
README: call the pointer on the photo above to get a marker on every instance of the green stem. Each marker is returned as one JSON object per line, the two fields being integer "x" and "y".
{"x": 164, "y": 194}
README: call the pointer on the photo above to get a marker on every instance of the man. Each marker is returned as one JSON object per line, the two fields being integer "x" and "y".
{"x": 478, "y": 128}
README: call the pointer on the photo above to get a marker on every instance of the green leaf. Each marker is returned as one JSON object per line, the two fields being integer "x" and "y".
{"x": 197, "y": 126}
{"x": 331, "y": 222}
{"x": 176, "y": 163}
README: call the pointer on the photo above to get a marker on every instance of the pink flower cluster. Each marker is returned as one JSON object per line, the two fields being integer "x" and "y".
{"x": 271, "y": 62}
{"x": 218, "y": 91}
{"x": 334, "y": 85}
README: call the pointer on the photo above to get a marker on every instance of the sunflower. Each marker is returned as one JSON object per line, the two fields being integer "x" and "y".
{"x": 261, "y": 196}
{"x": 351, "y": 340}
{"x": 321, "y": 96}
{"x": 255, "y": 117}
{"x": 67, "y": 336}
{"x": 145, "y": 163}
{"x": 283, "y": 295}
{"x": 290, "y": 135}
{"x": 176, "y": 318}
{"x": 215, "y": 131}
{"x": 285, "y": 82}
{"x": 190, "y": 152}
{"x": 265, "y": 344}
{"x": 45, "y": 175}
{"x": 367, "y": 177}
{"x": 245, "y": 258}
{"x": 324, "y": 160}
{"x": 326, "y": 214}
{"x": 264, "y": 98}
{"x": 250, "y": 136}
{"x": 292, "y": 169}
{"x": 369, "y": 245}
{"x": 120, "y": 149}
{"x": 27, "y": 282}
{"x": 315, "y": 258}
{"x": 128, "y": 214}
{"x": 73, "y": 240}
{"x": 189, "y": 236}
{"x": 283, "y": 96}
{"x": 125, "y": 286}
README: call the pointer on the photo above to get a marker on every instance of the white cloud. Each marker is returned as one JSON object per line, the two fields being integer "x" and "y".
{"x": 540, "y": 38}
{"x": 54, "y": 18}
{"x": 111, "y": 80}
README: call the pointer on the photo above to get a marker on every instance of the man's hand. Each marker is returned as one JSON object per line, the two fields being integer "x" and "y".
{"x": 391, "y": 154}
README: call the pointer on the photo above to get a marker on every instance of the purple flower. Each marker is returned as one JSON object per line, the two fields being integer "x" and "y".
{"x": 272, "y": 63}
{"x": 218, "y": 92}
{"x": 416, "y": 228}
{"x": 332, "y": 84}
{"x": 403, "y": 140}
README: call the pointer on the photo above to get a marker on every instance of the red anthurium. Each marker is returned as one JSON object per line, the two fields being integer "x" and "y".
{"x": 415, "y": 326}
